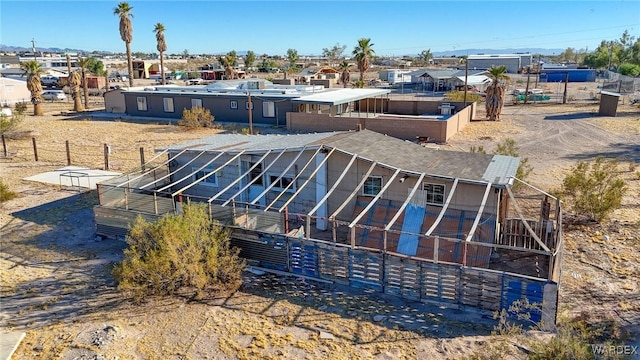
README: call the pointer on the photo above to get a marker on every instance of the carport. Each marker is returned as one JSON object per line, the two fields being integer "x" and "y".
{"x": 340, "y": 102}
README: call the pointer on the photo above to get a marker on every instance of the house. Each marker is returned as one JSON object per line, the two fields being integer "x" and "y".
{"x": 309, "y": 74}
{"x": 13, "y": 91}
{"x": 513, "y": 62}
{"x": 362, "y": 209}
{"x": 442, "y": 79}
{"x": 311, "y": 108}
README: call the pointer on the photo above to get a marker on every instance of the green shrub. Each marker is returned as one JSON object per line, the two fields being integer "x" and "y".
{"x": 508, "y": 147}
{"x": 180, "y": 253}
{"x": 480, "y": 149}
{"x": 20, "y": 108}
{"x": 196, "y": 118}
{"x": 595, "y": 189}
{"x": 10, "y": 123}
{"x": 5, "y": 193}
{"x": 455, "y": 95}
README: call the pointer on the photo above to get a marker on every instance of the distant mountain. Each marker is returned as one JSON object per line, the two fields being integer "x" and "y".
{"x": 533, "y": 51}
{"x": 10, "y": 48}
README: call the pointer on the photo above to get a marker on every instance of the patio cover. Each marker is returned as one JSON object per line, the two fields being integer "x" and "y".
{"x": 340, "y": 96}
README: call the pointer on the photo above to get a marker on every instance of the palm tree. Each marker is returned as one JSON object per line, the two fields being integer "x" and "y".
{"x": 345, "y": 76}
{"x": 161, "y": 46}
{"x": 495, "y": 92}
{"x": 32, "y": 70}
{"x": 84, "y": 63}
{"x": 363, "y": 53}
{"x": 75, "y": 80}
{"x": 126, "y": 32}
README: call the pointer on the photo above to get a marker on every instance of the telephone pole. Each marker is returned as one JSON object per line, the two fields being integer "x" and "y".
{"x": 33, "y": 48}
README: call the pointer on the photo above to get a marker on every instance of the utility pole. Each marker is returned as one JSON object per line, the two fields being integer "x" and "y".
{"x": 250, "y": 105}
{"x": 526, "y": 91}
{"x": 33, "y": 48}
{"x": 538, "y": 70}
{"x": 466, "y": 76}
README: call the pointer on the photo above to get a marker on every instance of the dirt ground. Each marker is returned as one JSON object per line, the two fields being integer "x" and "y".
{"x": 55, "y": 280}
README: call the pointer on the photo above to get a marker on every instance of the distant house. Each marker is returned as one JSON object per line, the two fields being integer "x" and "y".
{"x": 308, "y": 75}
{"x": 13, "y": 91}
{"x": 438, "y": 80}
{"x": 362, "y": 209}
{"x": 513, "y": 62}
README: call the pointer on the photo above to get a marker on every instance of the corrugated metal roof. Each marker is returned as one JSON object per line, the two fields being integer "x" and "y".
{"x": 501, "y": 169}
{"x": 475, "y": 79}
{"x": 340, "y": 96}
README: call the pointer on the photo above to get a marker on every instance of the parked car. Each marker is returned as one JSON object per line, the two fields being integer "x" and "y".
{"x": 54, "y": 95}
{"x": 49, "y": 80}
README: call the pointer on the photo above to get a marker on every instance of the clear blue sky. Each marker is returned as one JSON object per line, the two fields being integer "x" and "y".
{"x": 272, "y": 27}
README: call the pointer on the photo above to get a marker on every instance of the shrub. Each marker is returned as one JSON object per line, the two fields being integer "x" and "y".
{"x": 20, "y": 108}
{"x": 183, "y": 252}
{"x": 196, "y": 118}
{"x": 595, "y": 189}
{"x": 455, "y": 95}
{"x": 508, "y": 147}
{"x": 10, "y": 123}
{"x": 5, "y": 193}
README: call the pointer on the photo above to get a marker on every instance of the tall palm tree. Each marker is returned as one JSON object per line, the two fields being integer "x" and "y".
{"x": 126, "y": 32}
{"x": 161, "y": 46}
{"x": 32, "y": 70}
{"x": 345, "y": 76}
{"x": 84, "y": 63}
{"x": 364, "y": 54}
{"x": 75, "y": 80}
{"x": 495, "y": 92}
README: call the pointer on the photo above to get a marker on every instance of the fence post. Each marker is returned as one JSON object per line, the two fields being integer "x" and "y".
{"x": 106, "y": 157}
{"x": 142, "y": 158}
{"x": 35, "y": 148}
{"x": 4, "y": 146}
{"x": 66, "y": 144}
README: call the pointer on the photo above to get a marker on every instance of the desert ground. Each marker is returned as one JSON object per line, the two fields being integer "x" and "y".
{"x": 55, "y": 280}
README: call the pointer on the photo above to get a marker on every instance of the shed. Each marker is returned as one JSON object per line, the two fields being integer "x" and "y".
{"x": 608, "y": 103}
{"x": 13, "y": 91}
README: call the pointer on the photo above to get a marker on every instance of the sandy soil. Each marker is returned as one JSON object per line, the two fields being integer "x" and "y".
{"x": 56, "y": 282}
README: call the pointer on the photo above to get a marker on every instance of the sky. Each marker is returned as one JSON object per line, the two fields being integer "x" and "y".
{"x": 271, "y": 27}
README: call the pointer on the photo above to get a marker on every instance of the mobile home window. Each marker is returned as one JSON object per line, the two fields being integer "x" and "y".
{"x": 233, "y": 104}
{"x": 282, "y": 183}
{"x": 435, "y": 193}
{"x": 167, "y": 104}
{"x": 196, "y": 103}
{"x": 142, "y": 103}
{"x": 246, "y": 105}
{"x": 372, "y": 186}
{"x": 268, "y": 109}
{"x": 209, "y": 181}
{"x": 256, "y": 174}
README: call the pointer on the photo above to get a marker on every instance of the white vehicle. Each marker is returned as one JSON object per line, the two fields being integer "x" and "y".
{"x": 54, "y": 95}
{"x": 49, "y": 80}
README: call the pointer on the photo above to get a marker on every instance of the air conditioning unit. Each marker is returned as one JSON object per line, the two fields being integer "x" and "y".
{"x": 255, "y": 84}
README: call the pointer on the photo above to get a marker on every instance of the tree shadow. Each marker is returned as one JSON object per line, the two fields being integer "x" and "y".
{"x": 621, "y": 151}
{"x": 571, "y": 116}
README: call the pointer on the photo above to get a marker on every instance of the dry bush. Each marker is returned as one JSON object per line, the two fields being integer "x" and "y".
{"x": 196, "y": 118}
{"x": 5, "y": 193}
{"x": 455, "y": 95}
{"x": 182, "y": 252}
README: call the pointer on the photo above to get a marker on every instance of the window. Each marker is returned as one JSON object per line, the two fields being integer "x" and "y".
{"x": 372, "y": 186}
{"x": 233, "y": 104}
{"x": 142, "y": 103}
{"x": 209, "y": 181}
{"x": 196, "y": 103}
{"x": 268, "y": 109}
{"x": 435, "y": 193}
{"x": 246, "y": 105}
{"x": 282, "y": 183}
{"x": 167, "y": 103}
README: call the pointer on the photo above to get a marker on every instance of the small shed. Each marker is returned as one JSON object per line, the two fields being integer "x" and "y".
{"x": 608, "y": 103}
